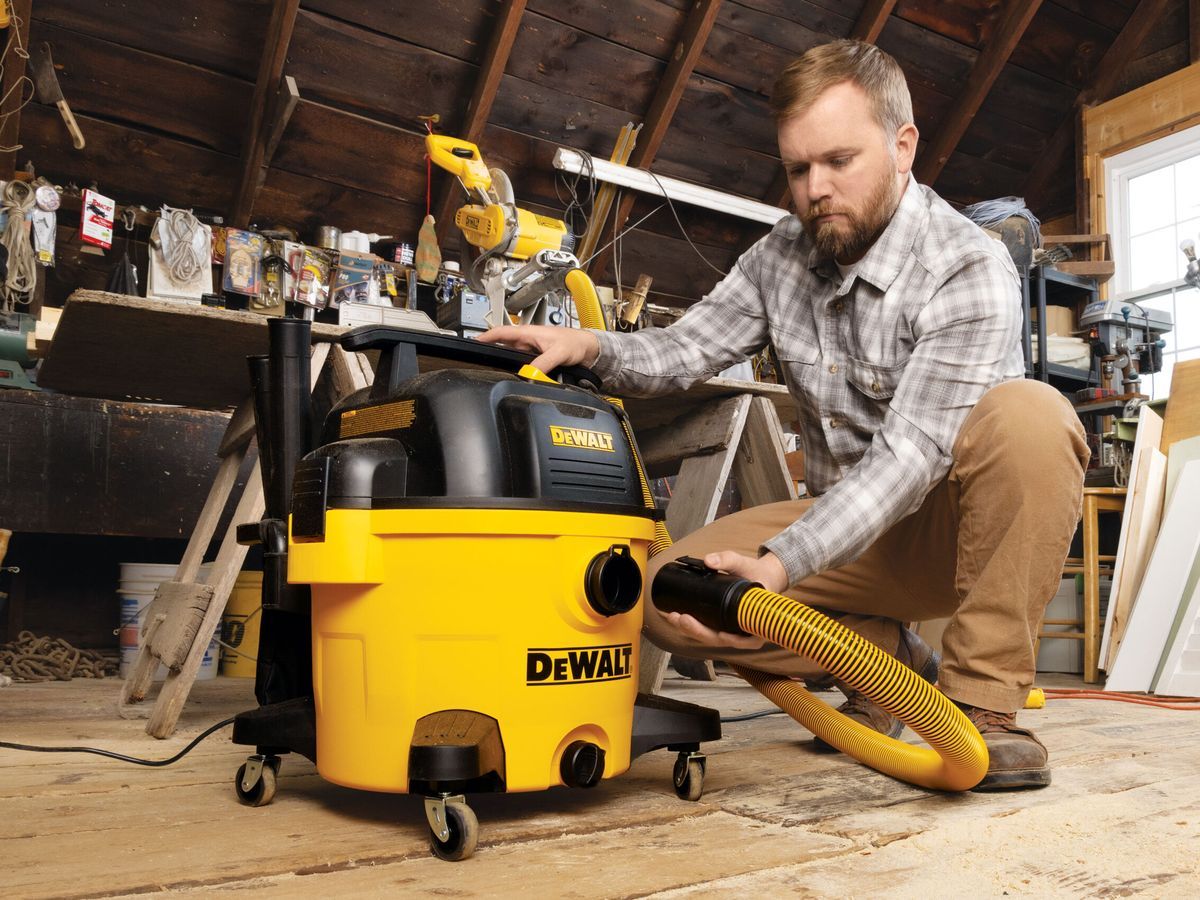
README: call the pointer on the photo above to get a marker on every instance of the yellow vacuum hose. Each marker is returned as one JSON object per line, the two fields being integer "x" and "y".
{"x": 958, "y": 759}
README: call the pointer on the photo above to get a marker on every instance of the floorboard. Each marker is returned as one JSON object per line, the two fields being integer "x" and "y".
{"x": 1121, "y": 819}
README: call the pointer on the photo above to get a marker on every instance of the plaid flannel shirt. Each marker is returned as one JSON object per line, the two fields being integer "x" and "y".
{"x": 884, "y": 364}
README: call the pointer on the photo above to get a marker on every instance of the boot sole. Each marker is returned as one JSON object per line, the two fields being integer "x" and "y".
{"x": 929, "y": 672}
{"x": 1020, "y": 779}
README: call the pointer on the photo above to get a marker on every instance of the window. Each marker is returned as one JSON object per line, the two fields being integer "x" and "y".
{"x": 1153, "y": 205}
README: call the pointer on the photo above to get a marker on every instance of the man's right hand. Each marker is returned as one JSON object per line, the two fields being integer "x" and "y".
{"x": 556, "y": 346}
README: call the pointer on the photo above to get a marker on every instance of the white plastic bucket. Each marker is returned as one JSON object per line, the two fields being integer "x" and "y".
{"x": 139, "y": 582}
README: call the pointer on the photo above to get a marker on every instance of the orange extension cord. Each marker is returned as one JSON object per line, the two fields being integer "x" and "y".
{"x": 1140, "y": 699}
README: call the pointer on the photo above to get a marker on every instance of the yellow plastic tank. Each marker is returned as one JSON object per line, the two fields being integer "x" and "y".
{"x": 417, "y": 611}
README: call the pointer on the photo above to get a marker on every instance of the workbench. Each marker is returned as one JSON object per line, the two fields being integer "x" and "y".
{"x": 120, "y": 347}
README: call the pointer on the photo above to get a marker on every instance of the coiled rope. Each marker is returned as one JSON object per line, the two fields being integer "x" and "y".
{"x": 17, "y": 200}
{"x": 33, "y": 658}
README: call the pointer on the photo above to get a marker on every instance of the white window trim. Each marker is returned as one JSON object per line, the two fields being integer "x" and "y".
{"x": 1118, "y": 170}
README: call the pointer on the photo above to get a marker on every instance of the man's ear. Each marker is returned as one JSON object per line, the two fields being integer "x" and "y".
{"x": 906, "y": 147}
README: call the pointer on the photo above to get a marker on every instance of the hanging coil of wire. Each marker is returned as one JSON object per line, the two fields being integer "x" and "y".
{"x": 17, "y": 200}
{"x": 182, "y": 257}
{"x": 33, "y": 658}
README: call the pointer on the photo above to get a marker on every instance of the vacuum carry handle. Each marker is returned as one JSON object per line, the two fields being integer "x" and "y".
{"x": 400, "y": 347}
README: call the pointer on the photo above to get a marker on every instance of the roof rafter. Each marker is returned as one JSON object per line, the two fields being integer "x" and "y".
{"x": 696, "y": 29}
{"x": 984, "y": 73}
{"x": 266, "y": 86}
{"x": 487, "y": 85}
{"x": 1104, "y": 81}
{"x": 871, "y": 20}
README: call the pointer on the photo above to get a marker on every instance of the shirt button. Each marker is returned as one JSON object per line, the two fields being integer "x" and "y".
{"x": 833, "y": 369}
{"x": 874, "y": 385}
{"x": 837, "y": 307}
{"x": 834, "y": 423}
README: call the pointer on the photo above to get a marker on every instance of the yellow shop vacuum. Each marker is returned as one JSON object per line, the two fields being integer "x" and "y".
{"x": 457, "y": 604}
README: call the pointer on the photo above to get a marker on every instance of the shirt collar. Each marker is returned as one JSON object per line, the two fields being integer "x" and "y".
{"x": 882, "y": 263}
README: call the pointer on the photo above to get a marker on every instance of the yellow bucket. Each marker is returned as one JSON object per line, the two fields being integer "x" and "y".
{"x": 240, "y": 625}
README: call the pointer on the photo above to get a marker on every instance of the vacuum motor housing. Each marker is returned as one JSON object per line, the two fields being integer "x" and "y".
{"x": 475, "y": 544}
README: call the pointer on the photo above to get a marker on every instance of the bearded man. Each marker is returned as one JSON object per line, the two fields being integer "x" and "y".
{"x": 942, "y": 483}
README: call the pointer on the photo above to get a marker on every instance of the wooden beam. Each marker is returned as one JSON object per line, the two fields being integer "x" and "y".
{"x": 491, "y": 71}
{"x": 13, "y": 88}
{"x": 871, "y": 20}
{"x": 1017, "y": 16}
{"x": 1104, "y": 81}
{"x": 254, "y": 144}
{"x": 696, "y": 29}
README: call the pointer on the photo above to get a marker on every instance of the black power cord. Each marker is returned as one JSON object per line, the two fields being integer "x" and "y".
{"x": 120, "y": 756}
{"x": 754, "y": 715}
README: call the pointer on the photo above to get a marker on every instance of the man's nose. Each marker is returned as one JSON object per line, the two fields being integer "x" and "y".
{"x": 819, "y": 186}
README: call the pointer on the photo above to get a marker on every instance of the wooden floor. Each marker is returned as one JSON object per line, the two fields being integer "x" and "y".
{"x": 1121, "y": 819}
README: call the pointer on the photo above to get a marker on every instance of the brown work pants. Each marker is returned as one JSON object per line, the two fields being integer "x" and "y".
{"x": 986, "y": 548}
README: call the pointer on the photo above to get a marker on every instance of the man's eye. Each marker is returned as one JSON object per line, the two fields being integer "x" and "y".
{"x": 840, "y": 162}
{"x": 798, "y": 172}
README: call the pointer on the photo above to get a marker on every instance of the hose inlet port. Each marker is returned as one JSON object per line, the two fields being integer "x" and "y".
{"x": 613, "y": 582}
{"x": 582, "y": 764}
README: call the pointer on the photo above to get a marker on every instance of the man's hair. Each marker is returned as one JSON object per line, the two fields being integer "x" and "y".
{"x": 878, "y": 74}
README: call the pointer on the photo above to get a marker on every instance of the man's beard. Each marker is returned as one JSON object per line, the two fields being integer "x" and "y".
{"x": 832, "y": 239}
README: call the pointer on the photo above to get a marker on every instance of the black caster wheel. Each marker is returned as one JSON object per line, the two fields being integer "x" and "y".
{"x": 689, "y": 776}
{"x": 259, "y": 791}
{"x": 462, "y": 834}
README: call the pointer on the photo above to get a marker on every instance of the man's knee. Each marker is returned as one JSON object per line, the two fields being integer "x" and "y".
{"x": 1027, "y": 422}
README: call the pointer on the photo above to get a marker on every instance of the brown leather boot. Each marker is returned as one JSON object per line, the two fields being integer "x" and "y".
{"x": 915, "y": 654}
{"x": 1016, "y": 758}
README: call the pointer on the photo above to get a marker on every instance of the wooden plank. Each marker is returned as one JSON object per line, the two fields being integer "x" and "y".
{"x": 388, "y": 161}
{"x": 991, "y": 61}
{"x": 1161, "y": 591}
{"x": 694, "y": 500}
{"x": 350, "y": 66}
{"x": 135, "y": 165}
{"x": 305, "y": 202}
{"x": 759, "y": 465}
{"x": 12, "y": 88}
{"x": 871, "y": 20}
{"x": 479, "y": 107}
{"x": 1139, "y": 526}
{"x": 461, "y": 30}
{"x": 220, "y": 579}
{"x": 1182, "y": 418}
{"x": 844, "y": 830}
{"x": 1099, "y": 89}
{"x": 118, "y": 83}
{"x": 230, "y": 39}
{"x": 73, "y": 465}
{"x": 114, "y": 346}
{"x": 254, "y": 141}
{"x": 657, "y": 121}
{"x": 1129, "y": 572}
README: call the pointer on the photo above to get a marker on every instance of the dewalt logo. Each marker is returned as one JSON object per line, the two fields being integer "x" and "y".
{"x": 561, "y": 436}
{"x": 577, "y": 665}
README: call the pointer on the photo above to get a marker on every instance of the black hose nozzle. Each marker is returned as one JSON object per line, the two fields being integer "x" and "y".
{"x": 689, "y": 586}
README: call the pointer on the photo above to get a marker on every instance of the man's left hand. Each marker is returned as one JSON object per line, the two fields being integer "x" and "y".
{"x": 767, "y": 570}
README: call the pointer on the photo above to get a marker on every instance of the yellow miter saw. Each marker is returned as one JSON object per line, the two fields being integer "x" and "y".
{"x": 525, "y": 258}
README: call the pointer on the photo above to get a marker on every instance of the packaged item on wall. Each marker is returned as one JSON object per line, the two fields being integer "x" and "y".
{"x": 312, "y": 285}
{"x": 180, "y": 257}
{"x": 244, "y": 251}
{"x": 353, "y": 281}
{"x": 96, "y": 219}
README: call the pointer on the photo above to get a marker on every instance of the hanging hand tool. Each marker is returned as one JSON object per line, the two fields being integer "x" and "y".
{"x": 48, "y": 91}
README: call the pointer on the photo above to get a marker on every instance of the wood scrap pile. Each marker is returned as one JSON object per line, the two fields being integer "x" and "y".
{"x": 1151, "y": 637}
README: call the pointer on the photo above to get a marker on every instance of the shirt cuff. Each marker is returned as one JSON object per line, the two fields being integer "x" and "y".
{"x": 799, "y": 550}
{"x": 608, "y": 363}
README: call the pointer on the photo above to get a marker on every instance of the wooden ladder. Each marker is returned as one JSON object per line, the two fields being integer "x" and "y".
{"x": 185, "y": 612}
